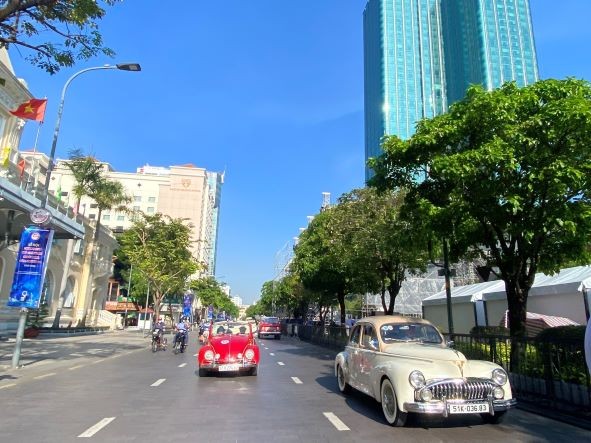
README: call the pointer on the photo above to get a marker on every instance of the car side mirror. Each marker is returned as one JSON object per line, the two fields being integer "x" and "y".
{"x": 450, "y": 343}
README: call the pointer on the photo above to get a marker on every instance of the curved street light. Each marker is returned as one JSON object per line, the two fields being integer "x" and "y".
{"x": 122, "y": 67}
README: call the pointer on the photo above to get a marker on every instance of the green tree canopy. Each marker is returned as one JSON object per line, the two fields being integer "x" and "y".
{"x": 158, "y": 246}
{"x": 54, "y": 33}
{"x": 506, "y": 177}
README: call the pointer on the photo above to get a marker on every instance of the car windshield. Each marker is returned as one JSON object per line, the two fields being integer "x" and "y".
{"x": 272, "y": 320}
{"x": 419, "y": 332}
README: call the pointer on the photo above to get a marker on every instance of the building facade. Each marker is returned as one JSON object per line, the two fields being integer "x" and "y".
{"x": 421, "y": 55}
{"x": 184, "y": 191}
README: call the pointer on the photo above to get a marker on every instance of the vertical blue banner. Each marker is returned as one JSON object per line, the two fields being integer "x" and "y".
{"x": 31, "y": 263}
{"x": 187, "y": 304}
{"x": 210, "y": 312}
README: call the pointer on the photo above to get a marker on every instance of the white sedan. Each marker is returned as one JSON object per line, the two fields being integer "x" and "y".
{"x": 405, "y": 364}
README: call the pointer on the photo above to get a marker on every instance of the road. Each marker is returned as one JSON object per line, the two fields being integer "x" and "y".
{"x": 112, "y": 388}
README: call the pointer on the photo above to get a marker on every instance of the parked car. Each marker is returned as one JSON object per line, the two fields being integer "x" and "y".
{"x": 405, "y": 364}
{"x": 228, "y": 349}
{"x": 269, "y": 326}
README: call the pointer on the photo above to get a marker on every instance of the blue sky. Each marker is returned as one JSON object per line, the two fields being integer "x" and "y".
{"x": 271, "y": 91}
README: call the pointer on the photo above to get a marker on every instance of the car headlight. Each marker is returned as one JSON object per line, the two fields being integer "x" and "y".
{"x": 416, "y": 379}
{"x": 249, "y": 354}
{"x": 498, "y": 393}
{"x": 499, "y": 376}
{"x": 426, "y": 395}
{"x": 208, "y": 355}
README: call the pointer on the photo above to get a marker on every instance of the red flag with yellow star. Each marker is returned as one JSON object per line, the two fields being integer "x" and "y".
{"x": 33, "y": 109}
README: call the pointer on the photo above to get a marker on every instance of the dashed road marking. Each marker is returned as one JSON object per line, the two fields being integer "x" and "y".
{"x": 75, "y": 367}
{"x": 8, "y": 386}
{"x": 75, "y": 354}
{"x": 280, "y": 363}
{"x": 98, "y": 361}
{"x": 336, "y": 421}
{"x": 158, "y": 382}
{"x": 194, "y": 355}
{"x": 182, "y": 365}
{"x": 39, "y": 377}
{"x": 296, "y": 380}
{"x": 272, "y": 354}
{"x": 94, "y": 429}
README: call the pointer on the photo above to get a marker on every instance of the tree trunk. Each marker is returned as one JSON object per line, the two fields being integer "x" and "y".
{"x": 517, "y": 304}
{"x": 341, "y": 298}
{"x": 394, "y": 289}
{"x": 383, "y": 296}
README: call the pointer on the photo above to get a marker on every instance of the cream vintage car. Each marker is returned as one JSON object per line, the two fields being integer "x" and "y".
{"x": 406, "y": 365}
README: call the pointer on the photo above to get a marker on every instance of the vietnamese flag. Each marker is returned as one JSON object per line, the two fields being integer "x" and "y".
{"x": 33, "y": 109}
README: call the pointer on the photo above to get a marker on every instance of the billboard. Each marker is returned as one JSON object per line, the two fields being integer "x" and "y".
{"x": 31, "y": 263}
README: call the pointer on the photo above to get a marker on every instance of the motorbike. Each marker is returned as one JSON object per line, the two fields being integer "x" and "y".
{"x": 180, "y": 342}
{"x": 158, "y": 341}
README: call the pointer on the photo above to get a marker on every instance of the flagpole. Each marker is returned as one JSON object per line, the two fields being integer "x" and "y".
{"x": 32, "y": 177}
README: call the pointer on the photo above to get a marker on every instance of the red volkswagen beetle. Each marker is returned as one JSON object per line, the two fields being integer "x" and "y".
{"x": 230, "y": 347}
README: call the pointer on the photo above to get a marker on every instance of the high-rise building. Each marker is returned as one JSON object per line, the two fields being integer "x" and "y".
{"x": 421, "y": 55}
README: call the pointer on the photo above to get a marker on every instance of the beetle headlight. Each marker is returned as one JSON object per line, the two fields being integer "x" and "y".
{"x": 416, "y": 379}
{"x": 249, "y": 354}
{"x": 499, "y": 376}
{"x": 208, "y": 355}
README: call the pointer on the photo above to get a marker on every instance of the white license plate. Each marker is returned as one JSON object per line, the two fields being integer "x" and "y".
{"x": 472, "y": 408}
{"x": 230, "y": 367}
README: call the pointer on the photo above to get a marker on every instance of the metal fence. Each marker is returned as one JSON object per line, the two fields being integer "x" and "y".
{"x": 549, "y": 373}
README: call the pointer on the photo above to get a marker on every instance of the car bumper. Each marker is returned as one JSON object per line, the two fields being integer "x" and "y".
{"x": 441, "y": 407}
{"x": 215, "y": 367}
{"x": 269, "y": 332}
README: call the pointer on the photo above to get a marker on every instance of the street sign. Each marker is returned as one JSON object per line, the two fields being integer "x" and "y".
{"x": 31, "y": 263}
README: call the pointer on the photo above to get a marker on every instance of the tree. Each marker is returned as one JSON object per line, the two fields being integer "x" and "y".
{"x": 159, "y": 248}
{"x": 319, "y": 265}
{"x": 72, "y": 23}
{"x": 381, "y": 245}
{"x": 506, "y": 178}
{"x": 210, "y": 293}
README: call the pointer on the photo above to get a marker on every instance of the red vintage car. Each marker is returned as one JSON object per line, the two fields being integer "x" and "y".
{"x": 230, "y": 347}
{"x": 269, "y": 326}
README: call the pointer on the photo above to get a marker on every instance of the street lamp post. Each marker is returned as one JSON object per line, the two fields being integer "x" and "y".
{"x": 121, "y": 66}
{"x": 23, "y": 314}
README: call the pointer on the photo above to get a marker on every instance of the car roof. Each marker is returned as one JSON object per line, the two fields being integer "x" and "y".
{"x": 379, "y": 320}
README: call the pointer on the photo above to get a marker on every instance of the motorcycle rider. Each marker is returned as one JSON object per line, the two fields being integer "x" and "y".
{"x": 182, "y": 332}
{"x": 160, "y": 326}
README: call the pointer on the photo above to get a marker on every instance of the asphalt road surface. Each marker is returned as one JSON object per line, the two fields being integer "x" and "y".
{"x": 112, "y": 388}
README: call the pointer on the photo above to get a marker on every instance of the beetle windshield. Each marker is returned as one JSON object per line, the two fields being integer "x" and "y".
{"x": 420, "y": 332}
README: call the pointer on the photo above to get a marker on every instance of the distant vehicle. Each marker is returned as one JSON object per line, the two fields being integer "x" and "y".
{"x": 406, "y": 366}
{"x": 269, "y": 326}
{"x": 230, "y": 347}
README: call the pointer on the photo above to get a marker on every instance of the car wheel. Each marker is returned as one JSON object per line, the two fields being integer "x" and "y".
{"x": 154, "y": 345}
{"x": 393, "y": 415}
{"x": 259, "y": 336}
{"x": 344, "y": 387}
{"x": 254, "y": 371}
{"x": 202, "y": 372}
{"x": 278, "y": 337}
{"x": 493, "y": 419}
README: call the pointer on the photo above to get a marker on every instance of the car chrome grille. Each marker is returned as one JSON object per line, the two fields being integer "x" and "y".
{"x": 461, "y": 389}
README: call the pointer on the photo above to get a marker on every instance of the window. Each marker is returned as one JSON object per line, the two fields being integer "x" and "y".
{"x": 370, "y": 339}
{"x": 354, "y": 339}
{"x": 92, "y": 216}
{"x": 106, "y": 217}
{"x": 150, "y": 210}
{"x": 151, "y": 199}
{"x": 120, "y": 218}
{"x": 137, "y": 198}
{"x": 136, "y": 208}
{"x": 93, "y": 206}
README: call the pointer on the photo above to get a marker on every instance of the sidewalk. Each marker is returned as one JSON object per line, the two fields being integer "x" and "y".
{"x": 55, "y": 350}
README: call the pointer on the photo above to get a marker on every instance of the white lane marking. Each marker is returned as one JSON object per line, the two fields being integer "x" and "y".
{"x": 296, "y": 380}
{"x": 280, "y": 363}
{"x": 75, "y": 354}
{"x": 272, "y": 354}
{"x": 94, "y": 429}
{"x": 39, "y": 377}
{"x": 75, "y": 367}
{"x": 194, "y": 355}
{"x": 158, "y": 382}
{"x": 182, "y": 365}
{"x": 336, "y": 421}
{"x": 98, "y": 361}
{"x": 8, "y": 386}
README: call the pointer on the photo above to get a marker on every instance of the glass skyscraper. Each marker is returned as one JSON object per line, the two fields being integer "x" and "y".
{"x": 421, "y": 55}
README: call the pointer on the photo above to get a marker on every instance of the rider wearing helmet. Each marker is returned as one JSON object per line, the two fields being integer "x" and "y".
{"x": 181, "y": 329}
{"x": 159, "y": 326}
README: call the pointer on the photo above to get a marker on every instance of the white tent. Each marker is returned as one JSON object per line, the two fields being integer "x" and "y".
{"x": 565, "y": 294}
